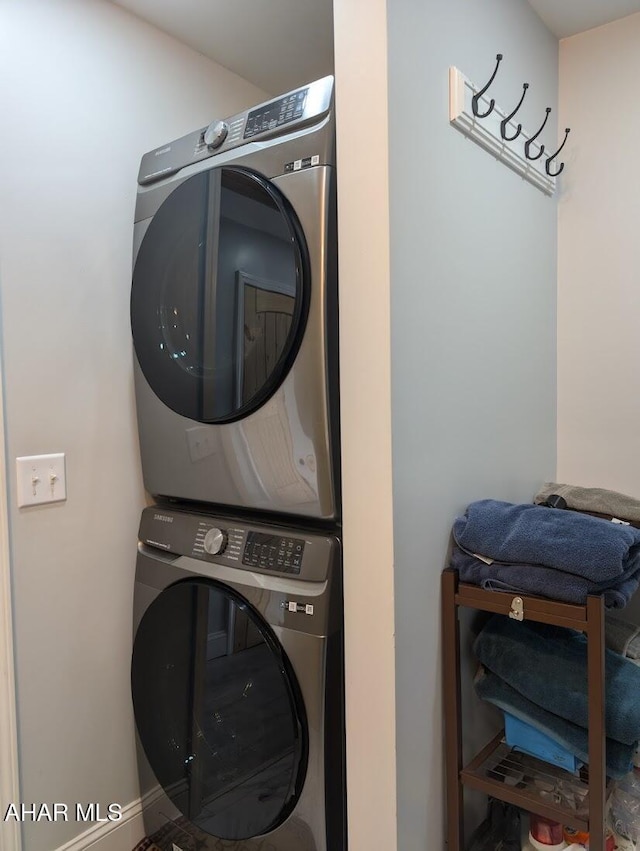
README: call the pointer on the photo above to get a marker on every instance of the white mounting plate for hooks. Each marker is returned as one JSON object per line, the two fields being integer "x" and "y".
{"x": 486, "y": 132}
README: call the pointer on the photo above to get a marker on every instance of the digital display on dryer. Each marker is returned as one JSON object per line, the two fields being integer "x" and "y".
{"x": 273, "y": 552}
{"x": 276, "y": 113}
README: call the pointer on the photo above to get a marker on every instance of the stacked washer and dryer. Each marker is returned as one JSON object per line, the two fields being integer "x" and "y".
{"x": 237, "y": 669}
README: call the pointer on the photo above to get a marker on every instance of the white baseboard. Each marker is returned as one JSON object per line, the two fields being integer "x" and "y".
{"x": 122, "y": 835}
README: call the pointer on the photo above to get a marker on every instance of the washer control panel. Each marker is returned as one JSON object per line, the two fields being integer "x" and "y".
{"x": 226, "y": 541}
{"x": 273, "y": 552}
{"x": 210, "y": 539}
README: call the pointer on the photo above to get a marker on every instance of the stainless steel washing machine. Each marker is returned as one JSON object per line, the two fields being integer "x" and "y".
{"x": 237, "y": 684}
{"x": 234, "y": 311}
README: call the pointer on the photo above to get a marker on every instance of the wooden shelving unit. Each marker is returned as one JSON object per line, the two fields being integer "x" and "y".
{"x": 487, "y": 770}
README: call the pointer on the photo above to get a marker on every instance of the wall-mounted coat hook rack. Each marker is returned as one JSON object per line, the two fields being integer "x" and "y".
{"x": 478, "y": 117}
{"x": 553, "y": 156}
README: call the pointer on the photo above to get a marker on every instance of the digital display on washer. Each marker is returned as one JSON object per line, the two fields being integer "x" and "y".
{"x": 276, "y": 113}
{"x": 273, "y": 552}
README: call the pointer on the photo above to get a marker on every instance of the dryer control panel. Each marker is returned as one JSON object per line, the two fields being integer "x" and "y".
{"x": 286, "y": 113}
{"x": 222, "y": 540}
{"x": 276, "y": 113}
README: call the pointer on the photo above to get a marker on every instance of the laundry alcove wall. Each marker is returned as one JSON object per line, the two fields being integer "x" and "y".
{"x": 473, "y": 307}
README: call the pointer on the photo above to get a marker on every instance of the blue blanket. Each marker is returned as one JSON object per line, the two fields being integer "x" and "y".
{"x": 574, "y": 738}
{"x": 586, "y": 546}
{"x": 548, "y": 666}
{"x": 542, "y": 581}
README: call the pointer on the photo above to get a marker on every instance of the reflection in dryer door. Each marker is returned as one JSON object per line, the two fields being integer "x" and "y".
{"x": 265, "y": 311}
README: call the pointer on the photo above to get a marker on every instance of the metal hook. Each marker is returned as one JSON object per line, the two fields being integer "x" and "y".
{"x": 527, "y": 144}
{"x": 553, "y": 156}
{"x": 505, "y": 121}
{"x": 475, "y": 99}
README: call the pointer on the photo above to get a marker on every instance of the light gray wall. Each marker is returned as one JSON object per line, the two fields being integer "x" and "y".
{"x": 473, "y": 325}
{"x": 86, "y": 89}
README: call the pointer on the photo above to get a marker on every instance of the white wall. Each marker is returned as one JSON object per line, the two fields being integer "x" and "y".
{"x": 599, "y": 259}
{"x": 86, "y": 89}
{"x": 473, "y": 334}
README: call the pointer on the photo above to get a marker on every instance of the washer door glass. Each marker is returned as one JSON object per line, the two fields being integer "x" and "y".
{"x": 218, "y": 710}
{"x": 220, "y": 295}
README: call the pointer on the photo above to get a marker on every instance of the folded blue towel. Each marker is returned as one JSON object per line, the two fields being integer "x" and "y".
{"x": 574, "y": 738}
{"x": 586, "y": 546}
{"x": 548, "y": 665}
{"x": 542, "y": 581}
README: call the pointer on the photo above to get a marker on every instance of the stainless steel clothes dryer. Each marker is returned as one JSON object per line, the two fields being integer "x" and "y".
{"x": 237, "y": 684}
{"x": 234, "y": 311}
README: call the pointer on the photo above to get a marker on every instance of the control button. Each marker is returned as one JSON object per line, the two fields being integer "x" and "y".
{"x": 215, "y": 541}
{"x": 216, "y": 133}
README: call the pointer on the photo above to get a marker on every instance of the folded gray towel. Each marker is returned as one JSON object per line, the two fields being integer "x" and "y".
{"x": 633, "y": 649}
{"x": 619, "y": 634}
{"x": 599, "y": 500}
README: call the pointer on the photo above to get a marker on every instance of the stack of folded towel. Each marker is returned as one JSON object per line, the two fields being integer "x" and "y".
{"x": 533, "y": 549}
{"x": 538, "y": 673}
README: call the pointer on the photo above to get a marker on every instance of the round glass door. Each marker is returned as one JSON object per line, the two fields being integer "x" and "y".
{"x": 218, "y": 710}
{"x": 219, "y": 296}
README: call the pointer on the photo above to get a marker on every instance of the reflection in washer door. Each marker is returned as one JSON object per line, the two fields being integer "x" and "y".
{"x": 220, "y": 296}
{"x": 218, "y": 710}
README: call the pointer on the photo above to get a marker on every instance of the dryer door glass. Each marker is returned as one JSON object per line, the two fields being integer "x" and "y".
{"x": 218, "y": 710}
{"x": 220, "y": 295}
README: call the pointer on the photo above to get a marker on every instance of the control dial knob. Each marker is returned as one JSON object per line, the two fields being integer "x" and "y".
{"x": 215, "y": 541}
{"x": 216, "y": 133}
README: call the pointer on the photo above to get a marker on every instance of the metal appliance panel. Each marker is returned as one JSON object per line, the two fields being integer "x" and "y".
{"x": 312, "y": 644}
{"x": 282, "y": 457}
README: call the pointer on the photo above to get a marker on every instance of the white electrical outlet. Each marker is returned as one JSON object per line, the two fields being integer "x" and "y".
{"x": 41, "y": 479}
